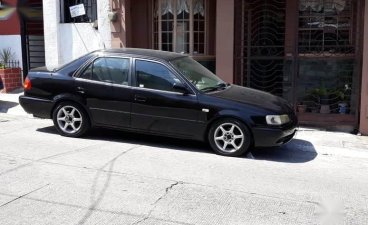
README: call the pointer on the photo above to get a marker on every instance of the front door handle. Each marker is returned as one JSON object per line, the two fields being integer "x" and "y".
{"x": 139, "y": 98}
{"x": 80, "y": 90}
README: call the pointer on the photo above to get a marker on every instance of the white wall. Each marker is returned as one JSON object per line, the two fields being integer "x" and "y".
{"x": 77, "y": 39}
{"x": 15, "y": 43}
{"x": 66, "y": 42}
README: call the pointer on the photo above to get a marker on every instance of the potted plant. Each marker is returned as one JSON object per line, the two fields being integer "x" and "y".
{"x": 322, "y": 95}
{"x": 302, "y": 108}
{"x": 6, "y": 55}
{"x": 343, "y": 95}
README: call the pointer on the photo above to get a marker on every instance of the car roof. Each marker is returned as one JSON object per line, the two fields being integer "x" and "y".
{"x": 144, "y": 53}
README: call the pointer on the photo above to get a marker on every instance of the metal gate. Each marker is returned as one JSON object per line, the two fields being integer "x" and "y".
{"x": 312, "y": 58}
{"x": 260, "y": 60}
{"x": 32, "y": 34}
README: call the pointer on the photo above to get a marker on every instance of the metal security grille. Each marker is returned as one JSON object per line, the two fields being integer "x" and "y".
{"x": 329, "y": 58}
{"x": 327, "y": 27}
{"x": 33, "y": 36}
{"x": 90, "y": 6}
{"x": 307, "y": 51}
{"x": 260, "y": 60}
{"x": 35, "y": 51}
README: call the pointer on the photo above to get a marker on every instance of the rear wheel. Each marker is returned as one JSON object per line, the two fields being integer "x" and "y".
{"x": 229, "y": 137}
{"x": 70, "y": 119}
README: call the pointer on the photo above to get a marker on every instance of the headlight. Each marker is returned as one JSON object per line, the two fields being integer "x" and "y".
{"x": 277, "y": 119}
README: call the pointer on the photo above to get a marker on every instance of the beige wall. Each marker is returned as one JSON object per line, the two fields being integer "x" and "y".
{"x": 119, "y": 29}
{"x": 225, "y": 40}
{"x": 364, "y": 96}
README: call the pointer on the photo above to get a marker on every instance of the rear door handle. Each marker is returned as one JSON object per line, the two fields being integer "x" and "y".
{"x": 139, "y": 98}
{"x": 80, "y": 90}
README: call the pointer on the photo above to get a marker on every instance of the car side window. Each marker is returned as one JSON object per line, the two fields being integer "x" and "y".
{"x": 87, "y": 73}
{"x": 111, "y": 70}
{"x": 155, "y": 76}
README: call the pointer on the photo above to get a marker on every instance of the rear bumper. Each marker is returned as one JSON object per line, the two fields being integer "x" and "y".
{"x": 37, "y": 106}
{"x": 269, "y": 137}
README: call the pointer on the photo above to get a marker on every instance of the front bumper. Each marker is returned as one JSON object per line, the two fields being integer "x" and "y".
{"x": 269, "y": 137}
{"x": 38, "y": 107}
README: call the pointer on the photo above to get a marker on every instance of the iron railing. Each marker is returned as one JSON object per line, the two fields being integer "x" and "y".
{"x": 9, "y": 64}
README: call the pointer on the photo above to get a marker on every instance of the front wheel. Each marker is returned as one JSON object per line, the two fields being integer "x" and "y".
{"x": 70, "y": 119}
{"x": 229, "y": 137}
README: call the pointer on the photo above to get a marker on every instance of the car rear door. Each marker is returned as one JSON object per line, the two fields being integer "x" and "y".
{"x": 104, "y": 84}
{"x": 157, "y": 107}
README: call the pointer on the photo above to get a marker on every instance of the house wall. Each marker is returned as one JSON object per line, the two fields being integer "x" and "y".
{"x": 141, "y": 35}
{"x": 225, "y": 40}
{"x": 120, "y": 27}
{"x": 364, "y": 89}
{"x": 67, "y": 41}
{"x": 10, "y": 32}
{"x": 10, "y": 25}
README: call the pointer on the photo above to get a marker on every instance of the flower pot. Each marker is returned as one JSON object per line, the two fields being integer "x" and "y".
{"x": 343, "y": 107}
{"x": 325, "y": 109}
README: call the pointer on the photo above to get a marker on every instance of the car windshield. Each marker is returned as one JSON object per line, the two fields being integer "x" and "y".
{"x": 201, "y": 77}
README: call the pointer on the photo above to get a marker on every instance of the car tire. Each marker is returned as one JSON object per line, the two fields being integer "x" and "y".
{"x": 230, "y": 137}
{"x": 70, "y": 119}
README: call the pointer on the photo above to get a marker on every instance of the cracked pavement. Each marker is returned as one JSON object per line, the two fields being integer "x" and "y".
{"x": 113, "y": 177}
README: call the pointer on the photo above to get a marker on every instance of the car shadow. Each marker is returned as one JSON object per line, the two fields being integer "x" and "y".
{"x": 110, "y": 135}
{"x": 6, "y": 105}
{"x": 296, "y": 151}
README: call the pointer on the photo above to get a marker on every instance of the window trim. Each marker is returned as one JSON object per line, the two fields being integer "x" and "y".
{"x": 84, "y": 67}
{"x": 191, "y": 28}
{"x": 167, "y": 66}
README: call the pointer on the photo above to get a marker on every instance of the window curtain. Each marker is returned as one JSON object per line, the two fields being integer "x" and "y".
{"x": 167, "y": 6}
{"x": 318, "y": 5}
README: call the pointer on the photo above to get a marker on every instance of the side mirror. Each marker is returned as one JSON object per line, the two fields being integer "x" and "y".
{"x": 181, "y": 88}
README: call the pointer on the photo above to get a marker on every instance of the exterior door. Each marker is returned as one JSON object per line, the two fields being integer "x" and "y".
{"x": 105, "y": 86}
{"x": 157, "y": 107}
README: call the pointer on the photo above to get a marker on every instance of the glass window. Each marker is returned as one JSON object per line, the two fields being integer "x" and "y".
{"x": 179, "y": 26}
{"x": 197, "y": 74}
{"x": 155, "y": 76}
{"x": 112, "y": 70}
{"x": 87, "y": 74}
{"x": 326, "y": 27}
{"x": 90, "y": 8}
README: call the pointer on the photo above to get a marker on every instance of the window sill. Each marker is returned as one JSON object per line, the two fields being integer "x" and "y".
{"x": 326, "y": 54}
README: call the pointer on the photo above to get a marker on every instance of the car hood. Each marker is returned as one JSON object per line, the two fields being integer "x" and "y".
{"x": 254, "y": 97}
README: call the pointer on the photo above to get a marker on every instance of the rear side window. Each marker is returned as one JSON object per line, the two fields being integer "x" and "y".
{"x": 155, "y": 76}
{"x": 110, "y": 70}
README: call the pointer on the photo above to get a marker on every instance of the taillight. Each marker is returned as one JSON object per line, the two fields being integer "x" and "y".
{"x": 27, "y": 84}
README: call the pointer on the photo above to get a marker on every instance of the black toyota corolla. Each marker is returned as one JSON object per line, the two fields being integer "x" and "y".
{"x": 159, "y": 93}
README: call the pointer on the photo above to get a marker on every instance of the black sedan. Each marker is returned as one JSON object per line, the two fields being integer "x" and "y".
{"x": 159, "y": 93}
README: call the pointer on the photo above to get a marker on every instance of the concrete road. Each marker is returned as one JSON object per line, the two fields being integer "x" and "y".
{"x": 112, "y": 177}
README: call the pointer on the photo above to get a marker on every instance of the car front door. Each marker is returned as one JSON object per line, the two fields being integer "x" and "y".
{"x": 157, "y": 107}
{"x": 104, "y": 84}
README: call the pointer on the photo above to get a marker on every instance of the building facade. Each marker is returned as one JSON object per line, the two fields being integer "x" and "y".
{"x": 21, "y": 31}
{"x": 310, "y": 52}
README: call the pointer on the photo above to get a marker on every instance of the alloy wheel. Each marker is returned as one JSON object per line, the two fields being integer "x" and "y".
{"x": 229, "y": 137}
{"x": 69, "y": 119}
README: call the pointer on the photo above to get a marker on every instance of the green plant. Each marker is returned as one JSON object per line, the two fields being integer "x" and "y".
{"x": 343, "y": 94}
{"x": 6, "y": 55}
